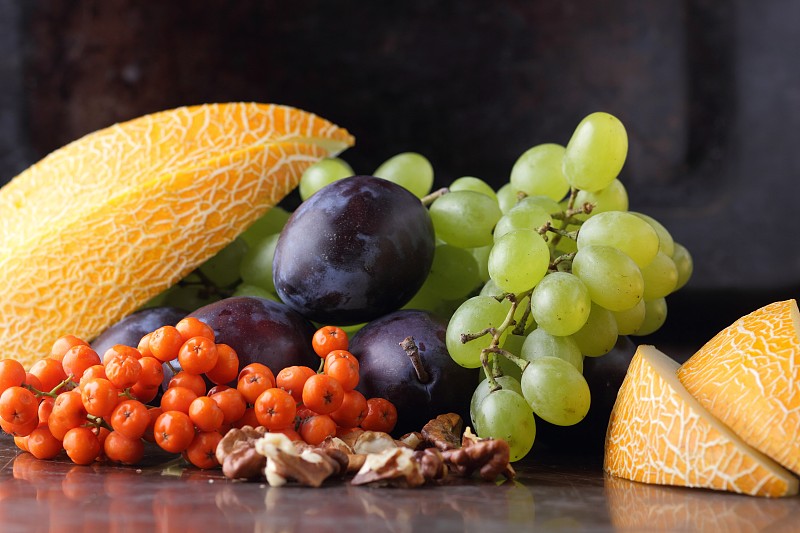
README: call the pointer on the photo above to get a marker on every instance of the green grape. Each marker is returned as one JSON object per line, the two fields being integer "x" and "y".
{"x": 519, "y": 260}
{"x": 471, "y": 183}
{"x": 630, "y": 320}
{"x": 268, "y": 224}
{"x": 599, "y": 335}
{"x": 410, "y": 170}
{"x": 425, "y": 299}
{"x": 454, "y": 272}
{"x": 244, "y": 289}
{"x": 507, "y": 197}
{"x": 556, "y": 391}
{"x": 539, "y": 343}
{"x": 538, "y": 171}
{"x": 482, "y": 391}
{"x": 352, "y": 329}
{"x": 566, "y": 245}
{"x": 684, "y": 264}
{"x": 623, "y": 231}
{"x": 612, "y": 198}
{"x": 596, "y": 152}
{"x": 465, "y": 218}
{"x": 189, "y": 297}
{"x": 654, "y": 317}
{"x": 525, "y": 215}
{"x": 660, "y": 277}
{"x": 613, "y": 279}
{"x": 513, "y": 344}
{"x": 256, "y": 267}
{"x": 156, "y": 301}
{"x": 481, "y": 255}
{"x": 545, "y": 202}
{"x": 473, "y": 316}
{"x": 530, "y": 323}
{"x": 223, "y": 268}
{"x": 490, "y": 288}
{"x": 504, "y": 414}
{"x": 322, "y": 173}
{"x": 560, "y": 303}
{"x": 665, "y": 242}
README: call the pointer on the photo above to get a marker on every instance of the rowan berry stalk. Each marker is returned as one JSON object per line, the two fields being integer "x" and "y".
{"x": 66, "y": 384}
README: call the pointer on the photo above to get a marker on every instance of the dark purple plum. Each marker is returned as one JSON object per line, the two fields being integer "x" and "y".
{"x": 356, "y": 250}
{"x": 261, "y": 331}
{"x": 388, "y": 372}
{"x": 604, "y": 375}
{"x": 130, "y": 330}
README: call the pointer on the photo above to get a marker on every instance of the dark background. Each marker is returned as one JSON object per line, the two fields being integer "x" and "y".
{"x": 708, "y": 90}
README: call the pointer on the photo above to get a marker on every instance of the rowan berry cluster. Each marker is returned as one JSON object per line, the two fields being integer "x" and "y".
{"x": 105, "y": 409}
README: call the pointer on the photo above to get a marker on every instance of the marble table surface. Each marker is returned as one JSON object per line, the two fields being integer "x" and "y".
{"x": 552, "y": 492}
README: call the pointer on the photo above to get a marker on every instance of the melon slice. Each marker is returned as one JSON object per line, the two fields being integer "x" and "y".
{"x": 658, "y": 433}
{"x": 102, "y": 225}
{"x": 748, "y": 376}
{"x": 109, "y": 161}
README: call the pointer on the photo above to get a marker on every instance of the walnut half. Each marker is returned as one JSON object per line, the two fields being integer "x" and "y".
{"x": 308, "y": 466}
{"x": 394, "y": 467}
{"x": 444, "y": 432}
{"x": 490, "y": 457}
{"x": 401, "y": 467}
{"x": 237, "y": 454}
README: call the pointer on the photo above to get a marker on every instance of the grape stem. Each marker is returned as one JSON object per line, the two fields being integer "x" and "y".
{"x": 547, "y": 226}
{"x": 517, "y": 360}
{"x": 562, "y": 260}
{"x": 568, "y": 217}
{"x": 491, "y": 377}
{"x": 432, "y": 197}
{"x": 519, "y": 329}
{"x": 496, "y": 333}
{"x": 411, "y": 349}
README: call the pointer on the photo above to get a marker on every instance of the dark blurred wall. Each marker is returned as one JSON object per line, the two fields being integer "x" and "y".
{"x": 709, "y": 92}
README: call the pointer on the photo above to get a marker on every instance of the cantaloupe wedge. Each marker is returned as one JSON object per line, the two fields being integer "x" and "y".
{"x": 107, "y": 162}
{"x": 658, "y": 433}
{"x": 748, "y": 376}
{"x": 100, "y": 226}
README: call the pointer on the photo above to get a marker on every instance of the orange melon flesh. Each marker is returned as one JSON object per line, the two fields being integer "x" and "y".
{"x": 109, "y": 161}
{"x": 658, "y": 433}
{"x": 748, "y": 376}
{"x": 102, "y": 225}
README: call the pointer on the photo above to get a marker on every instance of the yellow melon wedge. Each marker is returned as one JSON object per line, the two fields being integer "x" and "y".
{"x": 105, "y": 163}
{"x": 658, "y": 433}
{"x": 748, "y": 376}
{"x": 98, "y": 227}
{"x": 87, "y": 272}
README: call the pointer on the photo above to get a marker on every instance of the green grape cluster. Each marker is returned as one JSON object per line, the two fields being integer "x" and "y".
{"x": 550, "y": 268}
{"x": 570, "y": 269}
